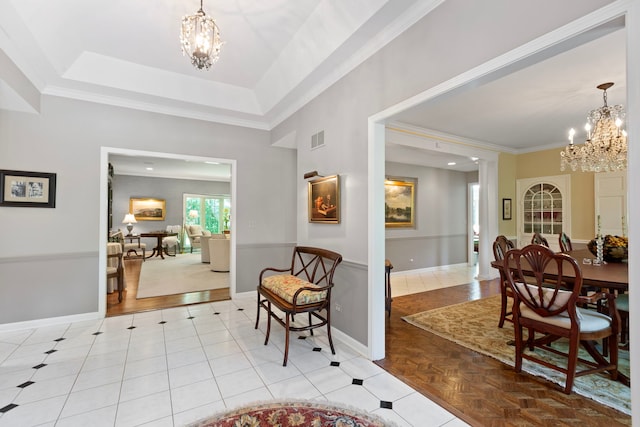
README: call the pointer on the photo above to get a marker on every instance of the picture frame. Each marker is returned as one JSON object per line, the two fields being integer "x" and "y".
{"x": 506, "y": 209}
{"x": 324, "y": 200}
{"x": 27, "y": 189}
{"x": 399, "y": 203}
{"x": 148, "y": 209}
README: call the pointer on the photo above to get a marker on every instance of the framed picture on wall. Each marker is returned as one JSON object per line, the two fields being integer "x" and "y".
{"x": 399, "y": 203}
{"x": 506, "y": 209}
{"x": 324, "y": 200}
{"x": 148, "y": 209}
{"x": 27, "y": 189}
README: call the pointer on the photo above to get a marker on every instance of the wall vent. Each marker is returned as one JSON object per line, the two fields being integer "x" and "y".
{"x": 317, "y": 140}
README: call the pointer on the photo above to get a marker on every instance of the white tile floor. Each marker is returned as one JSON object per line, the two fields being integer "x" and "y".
{"x": 175, "y": 366}
{"x": 428, "y": 279}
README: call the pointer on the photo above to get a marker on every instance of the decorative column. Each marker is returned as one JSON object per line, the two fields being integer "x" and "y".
{"x": 488, "y": 217}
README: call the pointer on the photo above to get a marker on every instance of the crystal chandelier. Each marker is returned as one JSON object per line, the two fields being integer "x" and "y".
{"x": 606, "y": 146}
{"x": 200, "y": 39}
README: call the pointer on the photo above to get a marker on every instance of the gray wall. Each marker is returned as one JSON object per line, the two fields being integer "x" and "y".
{"x": 440, "y": 233}
{"x": 171, "y": 190}
{"x": 66, "y": 138}
{"x": 455, "y": 37}
{"x": 67, "y": 135}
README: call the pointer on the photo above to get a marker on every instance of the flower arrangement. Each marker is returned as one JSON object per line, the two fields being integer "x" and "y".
{"x": 615, "y": 248}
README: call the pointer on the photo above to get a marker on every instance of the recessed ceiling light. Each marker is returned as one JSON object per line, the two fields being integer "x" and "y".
{"x": 149, "y": 169}
{"x": 473, "y": 159}
{"x": 451, "y": 163}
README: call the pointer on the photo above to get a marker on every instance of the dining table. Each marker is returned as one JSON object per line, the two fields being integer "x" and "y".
{"x": 159, "y": 235}
{"x": 608, "y": 275}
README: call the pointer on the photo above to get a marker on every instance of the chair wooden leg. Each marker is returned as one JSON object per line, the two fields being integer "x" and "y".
{"x": 572, "y": 363}
{"x": 266, "y": 338}
{"x": 310, "y": 330}
{"x": 503, "y": 307}
{"x": 519, "y": 347}
{"x": 286, "y": 339}
{"x": 258, "y": 312}
{"x": 333, "y": 350}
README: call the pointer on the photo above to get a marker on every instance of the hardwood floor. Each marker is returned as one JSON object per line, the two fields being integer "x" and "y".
{"x": 130, "y": 304}
{"x": 478, "y": 389}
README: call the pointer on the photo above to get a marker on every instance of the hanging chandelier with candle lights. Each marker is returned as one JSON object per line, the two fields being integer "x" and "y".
{"x": 606, "y": 146}
{"x": 200, "y": 39}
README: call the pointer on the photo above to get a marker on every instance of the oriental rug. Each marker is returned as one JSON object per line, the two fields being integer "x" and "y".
{"x": 290, "y": 413}
{"x": 474, "y": 325}
{"x": 178, "y": 275}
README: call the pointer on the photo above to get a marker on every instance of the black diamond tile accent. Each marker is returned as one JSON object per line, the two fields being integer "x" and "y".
{"x": 241, "y": 309}
{"x": 60, "y": 339}
{"x": 386, "y": 405}
{"x": 216, "y": 313}
{"x": 25, "y": 384}
{"x": 335, "y": 363}
{"x": 357, "y": 381}
{"x": 302, "y": 337}
{"x": 50, "y": 351}
{"x": 162, "y": 323}
{"x": 317, "y": 349}
{"x": 190, "y": 317}
{"x": 97, "y": 333}
{"x": 42, "y": 365}
{"x": 7, "y": 408}
{"x": 131, "y": 327}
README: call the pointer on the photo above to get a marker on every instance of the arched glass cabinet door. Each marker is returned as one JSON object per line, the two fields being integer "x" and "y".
{"x": 542, "y": 209}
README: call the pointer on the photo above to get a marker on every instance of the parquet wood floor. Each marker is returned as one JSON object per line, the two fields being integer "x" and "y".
{"x": 476, "y": 388}
{"x": 130, "y": 304}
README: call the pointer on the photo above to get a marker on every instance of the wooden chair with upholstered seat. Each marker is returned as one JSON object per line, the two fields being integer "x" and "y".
{"x": 115, "y": 268}
{"x": 304, "y": 287}
{"x": 548, "y": 303}
{"x": 539, "y": 239}
{"x": 565, "y": 242}
{"x": 500, "y": 247}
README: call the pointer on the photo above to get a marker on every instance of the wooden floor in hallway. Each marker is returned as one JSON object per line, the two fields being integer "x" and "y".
{"x": 130, "y": 304}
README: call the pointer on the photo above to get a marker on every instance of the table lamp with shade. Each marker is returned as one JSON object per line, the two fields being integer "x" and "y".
{"x": 129, "y": 219}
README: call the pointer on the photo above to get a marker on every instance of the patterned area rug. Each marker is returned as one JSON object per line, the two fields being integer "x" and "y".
{"x": 292, "y": 413}
{"x": 177, "y": 275}
{"x": 474, "y": 325}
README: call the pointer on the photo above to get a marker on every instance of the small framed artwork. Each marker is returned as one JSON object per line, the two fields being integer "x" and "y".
{"x": 27, "y": 189}
{"x": 148, "y": 209}
{"x": 399, "y": 203}
{"x": 324, "y": 200}
{"x": 506, "y": 209}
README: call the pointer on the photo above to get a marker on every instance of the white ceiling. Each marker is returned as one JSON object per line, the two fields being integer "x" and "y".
{"x": 279, "y": 54}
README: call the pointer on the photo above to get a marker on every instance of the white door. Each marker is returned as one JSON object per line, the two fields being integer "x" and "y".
{"x": 611, "y": 203}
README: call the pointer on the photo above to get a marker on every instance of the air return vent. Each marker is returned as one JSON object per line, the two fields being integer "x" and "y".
{"x": 317, "y": 140}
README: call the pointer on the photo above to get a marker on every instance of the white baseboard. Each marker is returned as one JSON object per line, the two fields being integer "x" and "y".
{"x": 38, "y": 323}
{"x": 429, "y": 269}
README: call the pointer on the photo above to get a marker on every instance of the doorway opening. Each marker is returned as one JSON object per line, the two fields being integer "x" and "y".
{"x": 169, "y": 300}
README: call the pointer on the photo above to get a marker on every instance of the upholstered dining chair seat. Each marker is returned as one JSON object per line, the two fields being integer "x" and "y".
{"x": 286, "y": 286}
{"x": 590, "y": 320}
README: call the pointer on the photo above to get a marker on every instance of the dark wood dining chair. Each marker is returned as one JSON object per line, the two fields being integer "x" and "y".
{"x": 500, "y": 247}
{"x": 565, "y": 242}
{"x": 548, "y": 304}
{"x": 304, "y": 287}
{"x": 539, "y": 239}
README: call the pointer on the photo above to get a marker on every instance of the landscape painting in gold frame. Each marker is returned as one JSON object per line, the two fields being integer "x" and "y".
{"x": 148, "y": 209}
{"x": 399, "y": 203}
{"x": 324, "y": 200}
